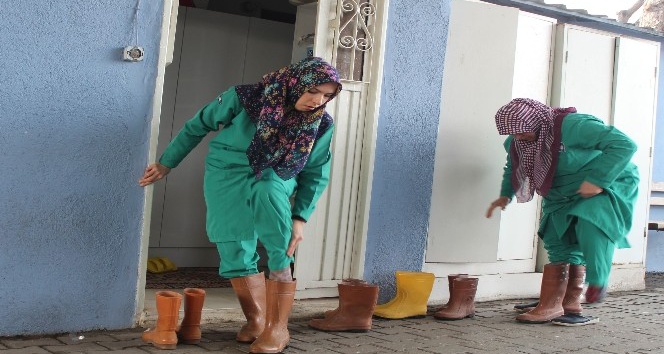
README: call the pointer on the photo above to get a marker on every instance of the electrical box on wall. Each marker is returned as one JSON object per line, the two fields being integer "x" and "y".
{"x": 133, "y": 53}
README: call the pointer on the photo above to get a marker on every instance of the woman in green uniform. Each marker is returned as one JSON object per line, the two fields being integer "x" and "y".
{"x": 581, "y": 168}
{"x": 274, "y": 145}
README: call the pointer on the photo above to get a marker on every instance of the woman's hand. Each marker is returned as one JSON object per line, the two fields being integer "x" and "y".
{"x": 296, "y": 236}
{"x": 587, "y": 190}
{"x": 153, "y": 173}
{"x": 500, "y": 202}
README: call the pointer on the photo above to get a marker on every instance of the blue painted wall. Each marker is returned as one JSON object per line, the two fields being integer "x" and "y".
{"x": 655, "y": 248}
{"x": 74, "y": 124}
{"x": 406, "y": 140}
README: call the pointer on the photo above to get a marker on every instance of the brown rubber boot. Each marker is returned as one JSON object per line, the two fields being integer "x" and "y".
{"x": 572, "y": 300}
{"x": 349, "y": 281}
{"x": 550, "y": 306}
{"x": 462, "y": 300}
{"x": 250, "y": 291}
{"x": 168, "y": 311}
{"x": 356, "y": 306}
{"x": 275, "y": 336}
{"x": 450, "y": 284}
{"x": 189, "y": 331}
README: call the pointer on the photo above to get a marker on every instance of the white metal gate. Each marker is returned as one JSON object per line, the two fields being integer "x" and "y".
{"x": 347, "y": 35}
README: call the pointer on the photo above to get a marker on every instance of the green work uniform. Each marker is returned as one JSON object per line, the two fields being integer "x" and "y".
{"x": 580, "y": 230}
{"x": 240, "y": 208}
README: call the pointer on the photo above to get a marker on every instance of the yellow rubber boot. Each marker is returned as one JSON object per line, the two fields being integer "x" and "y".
{"x": 413, "y": 290}
{"x": 398, "y": 295}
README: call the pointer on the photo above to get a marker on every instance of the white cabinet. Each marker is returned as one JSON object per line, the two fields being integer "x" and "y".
{"x": 634, "y": 113}
{"x": 506, "y": 54}
{"x": 613, "y": 78}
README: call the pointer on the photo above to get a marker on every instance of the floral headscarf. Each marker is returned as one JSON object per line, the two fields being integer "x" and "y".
{"x": 284, "y": 136}
{"x": 533, "y": 162}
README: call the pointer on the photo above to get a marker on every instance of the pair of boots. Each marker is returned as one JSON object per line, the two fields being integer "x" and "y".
{"x": 357, "y": 301}
{"x": 560, "y": 294}
{"x": 462, "y": 298}
{"x": 413, "y": 290}
{"x": 266, "y": 305}
{"x": 166, "y": 334}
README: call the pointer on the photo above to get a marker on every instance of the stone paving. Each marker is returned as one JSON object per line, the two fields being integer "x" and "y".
{"x": 630, "y": 322}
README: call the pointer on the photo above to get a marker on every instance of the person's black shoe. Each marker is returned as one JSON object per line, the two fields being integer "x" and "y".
{"x": 526, "y": 307}
{"x": 573, "y": 319}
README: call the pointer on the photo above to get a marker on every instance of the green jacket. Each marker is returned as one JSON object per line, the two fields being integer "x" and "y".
{"x": 227, "y": 150}
{"x": 600, "y": 154}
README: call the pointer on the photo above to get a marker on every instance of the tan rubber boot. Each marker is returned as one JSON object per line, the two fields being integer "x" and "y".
{"x": 275, "y": 336}
{"x": 163, "y": 336}
{"x": 550, "y": 306}
{"x": 356, "y": 305}
{"x": 413, "y": 290}
{"x": 344, "y": 281}
{"x": 462, "y": 300}
{"x": 250, "y": 291}
{"x": 189, "y": 331}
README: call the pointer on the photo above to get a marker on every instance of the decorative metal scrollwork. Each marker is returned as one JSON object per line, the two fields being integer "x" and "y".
{"x": 355, "y": 17}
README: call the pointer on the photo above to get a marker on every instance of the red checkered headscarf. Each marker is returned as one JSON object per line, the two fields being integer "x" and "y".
{"x": 533, "y": 162}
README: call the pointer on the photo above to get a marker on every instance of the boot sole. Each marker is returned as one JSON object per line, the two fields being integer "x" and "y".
{"x": 533, "y": 322}
{"x": 165, "y": 346}
{"x": 593, "y": 321}
{"x": 351, "y": 330}
{"x": 270, "y": 352}
{"x": 399, "y": 318}
{"x": 453, "y": 319}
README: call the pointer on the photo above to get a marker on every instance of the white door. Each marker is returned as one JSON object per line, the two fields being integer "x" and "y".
{"x": 614, "y": 79}
{"x": 333, "y": 244}
{"x": 635, "y": 83}
{"x": 480, "y": 76}
{"x": 584, "y": 71}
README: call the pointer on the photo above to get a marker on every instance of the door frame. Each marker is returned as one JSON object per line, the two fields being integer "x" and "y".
{"x": 166, "y": 46}
{"x": 165, "y": 57}
{"x": 326, "y": 23}
{"x": 370, "y": 136}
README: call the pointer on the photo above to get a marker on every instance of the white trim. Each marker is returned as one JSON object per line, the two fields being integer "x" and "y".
{"x": 317, "y": 293}
{"x": 504, "y": 286}
{"x": 369, "y": 143}
{"x": 494, "y": 287}
{"x": 139, "y": 314}
{"x": 657, "y": 187}
{"x": 172, "y": 23}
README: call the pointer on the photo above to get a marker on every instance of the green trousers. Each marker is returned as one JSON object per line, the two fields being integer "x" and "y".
{"x": 582, "y": 243}
{"x": 245, "y": 212}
